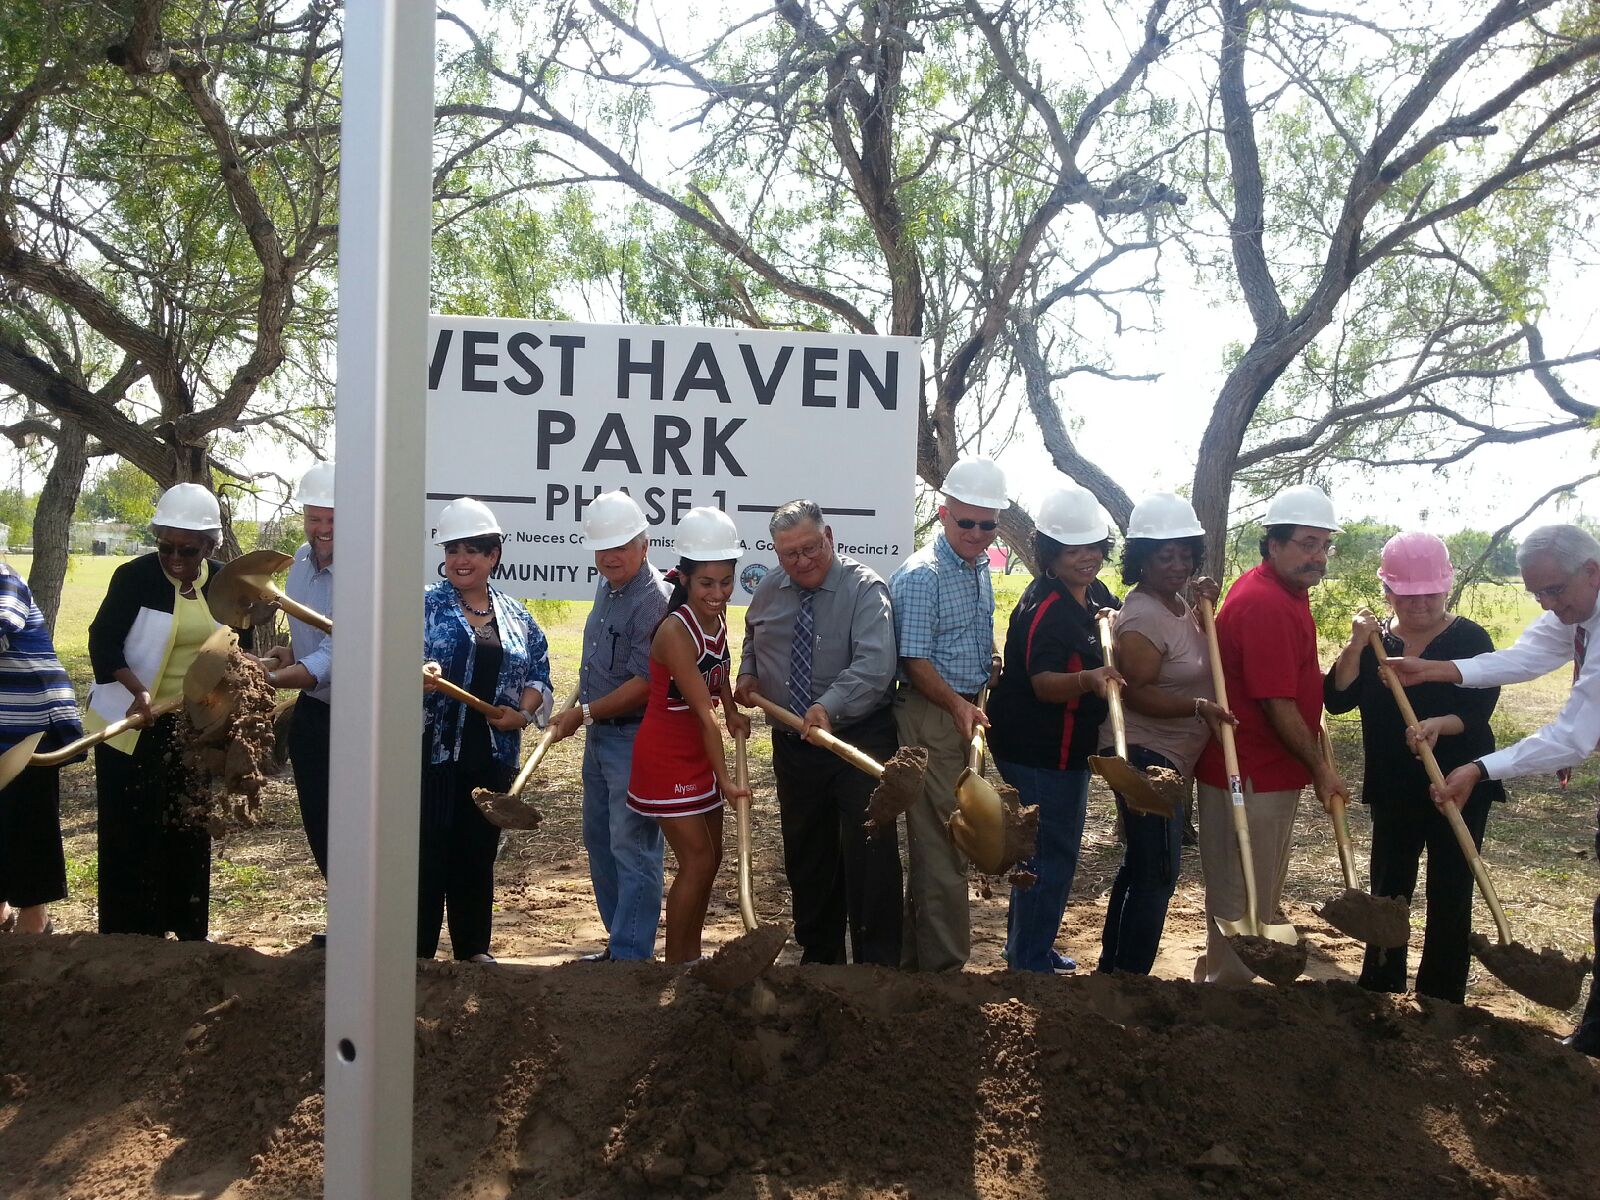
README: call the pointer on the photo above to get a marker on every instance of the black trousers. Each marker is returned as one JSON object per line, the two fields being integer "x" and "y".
{"x": 455, "y": 862}
{"x": 839, "y": 877}
{"x": 308, "y": 754}
{"x": 1402, "y": 827}
{"x": 33, "y": 866}
{"x": 1591, "y": 1011}
{"x": 155, "y": 866}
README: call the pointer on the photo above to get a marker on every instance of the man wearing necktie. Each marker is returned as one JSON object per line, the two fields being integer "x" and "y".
{"x": 1561, "y": 570}
{"x": 819, "y": 639}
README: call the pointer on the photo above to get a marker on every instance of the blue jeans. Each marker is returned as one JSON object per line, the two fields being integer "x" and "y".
{"x": 1137, "y": 912}
{"x": 624, "y": 848}
{"x": 1035, "y": 915}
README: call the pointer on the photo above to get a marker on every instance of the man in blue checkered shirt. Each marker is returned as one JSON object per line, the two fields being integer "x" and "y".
{"x": 944, "y": 626}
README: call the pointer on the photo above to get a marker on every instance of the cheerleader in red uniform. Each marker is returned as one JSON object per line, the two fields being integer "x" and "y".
{"x": 680, "y": 773}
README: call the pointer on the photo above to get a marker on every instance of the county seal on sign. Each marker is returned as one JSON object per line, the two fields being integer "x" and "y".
{"x": 751, "y": 577}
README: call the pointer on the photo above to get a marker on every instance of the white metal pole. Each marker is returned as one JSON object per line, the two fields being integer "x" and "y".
{"x": 384, "y": 230}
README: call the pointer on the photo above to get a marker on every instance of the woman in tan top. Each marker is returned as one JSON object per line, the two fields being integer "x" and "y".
{"x": 1161, "y": 651}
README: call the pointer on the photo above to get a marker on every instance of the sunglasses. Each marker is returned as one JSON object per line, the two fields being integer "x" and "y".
{"x": 173, "y": 550}
{"x": 969, "y": 523}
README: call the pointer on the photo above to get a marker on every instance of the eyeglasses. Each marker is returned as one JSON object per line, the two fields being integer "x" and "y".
{"x": 1554, "y": 592}
{"x": 1311, "y": 545}
{"x": 809, "y": 553}
{"x": 173, "y": 550}
{"x": 969, "y": 523}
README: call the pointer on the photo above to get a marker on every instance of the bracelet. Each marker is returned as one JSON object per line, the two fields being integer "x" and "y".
{"x": 1198, "y": 701}
{"x": 1077, "y": 678}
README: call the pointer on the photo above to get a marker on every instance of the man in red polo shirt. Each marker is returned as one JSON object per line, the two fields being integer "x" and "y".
{"x": 1268, "y": 645}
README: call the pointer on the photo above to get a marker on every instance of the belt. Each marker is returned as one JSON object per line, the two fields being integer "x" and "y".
{"x": 631, "y": 719}
{"x": 908, "y": 689}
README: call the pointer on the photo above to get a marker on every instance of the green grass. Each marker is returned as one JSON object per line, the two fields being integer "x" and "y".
{"x": 238, "y": 883}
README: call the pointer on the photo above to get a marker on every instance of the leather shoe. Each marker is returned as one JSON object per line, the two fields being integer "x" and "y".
{"x": 1585, "y": 1039}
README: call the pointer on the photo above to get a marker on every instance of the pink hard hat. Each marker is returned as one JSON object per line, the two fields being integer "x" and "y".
{"x": 1416, "y": 564}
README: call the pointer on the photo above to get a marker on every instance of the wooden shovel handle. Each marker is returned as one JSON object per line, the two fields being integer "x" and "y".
{"x": 1451, "y": 812}
{"x": 1230, "y": 751}
{"x": 441, "y": 684}
{"x": 539, "y": 751}
{"x": 1230, "y": 758}
{"x": 1341, "y": 824}
{"x": 72, "y": 749}
{"x": 1119, "y": 729}
{"x": 820, "y": 736}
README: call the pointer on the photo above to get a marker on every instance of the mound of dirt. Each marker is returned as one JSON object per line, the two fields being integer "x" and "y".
{"x": 135, "y": 1068}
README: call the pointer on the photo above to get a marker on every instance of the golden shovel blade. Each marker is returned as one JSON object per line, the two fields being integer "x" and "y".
{"x": 1134, "y": 786}
{"x": 244, "y": 582}
{"x": 15, "y": 760}
{"x": 205, "y": 690}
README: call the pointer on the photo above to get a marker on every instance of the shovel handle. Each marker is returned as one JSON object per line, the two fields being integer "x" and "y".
{"x": 820, "y": 736}
{"x": 1230, "y": 758}
{"x": 539, "y": 751}
{"x": 1341, "y": 825}
{"x": 1230, "y": 751}
{"x": 72, "y": 749}
{"x": 741, "y": 776}
{"x": 1119, "y": 728}
{"x": 1451, "y": 812}
{"x": 443, "y": 685}
{"x": 301, "y": 613}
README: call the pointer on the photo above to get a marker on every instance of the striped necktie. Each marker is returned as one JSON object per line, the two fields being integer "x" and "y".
{"x": 1580, "y": 646}
{"x": 800, "y": 654}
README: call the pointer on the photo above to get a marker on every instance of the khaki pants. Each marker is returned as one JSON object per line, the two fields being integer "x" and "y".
{"x": 1271, "y": 820}
{"x": 937, "y": 931}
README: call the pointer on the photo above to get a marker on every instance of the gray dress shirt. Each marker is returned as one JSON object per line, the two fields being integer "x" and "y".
{"x": 617, "y": 635}
{"x": 312, "y": 649}
{"x": 853, "y": 662}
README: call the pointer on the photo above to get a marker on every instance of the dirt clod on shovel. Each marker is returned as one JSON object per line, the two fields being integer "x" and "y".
{"x": 741, "y": 961}
{"x": 226, "y": 761}
{"x": 898, "y": 790}
{"x": 1276, "y": 962}
{"x": 1382, "y": 921}
{"x": 505, "y": 811}
{"x": 1021, "y": 827}
{"x": 1546, "y": 976}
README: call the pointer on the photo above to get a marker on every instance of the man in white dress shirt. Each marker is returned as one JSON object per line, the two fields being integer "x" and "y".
{"x": 1561, "y": 570}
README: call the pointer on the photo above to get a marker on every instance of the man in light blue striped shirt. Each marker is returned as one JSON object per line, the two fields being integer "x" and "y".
{"x": 306, "y": 663}
{"x": 944, "y": 626}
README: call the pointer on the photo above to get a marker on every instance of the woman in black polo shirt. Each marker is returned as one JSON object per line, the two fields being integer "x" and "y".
{"x": 1046, "y": 712}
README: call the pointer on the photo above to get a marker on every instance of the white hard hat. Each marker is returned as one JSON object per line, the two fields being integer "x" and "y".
{"x": 976, "y": 481}
{"x": 1303, "y": 504}
{"x": 1163, "y": 516}
{"x": 188, "y": 506}
{"x": 316, "y": 486}
{"x": 708, "y": 535}
{"x": 465, "y": 518}
{"x": 612, "y": 519}
{"x": 1073, "y": 517}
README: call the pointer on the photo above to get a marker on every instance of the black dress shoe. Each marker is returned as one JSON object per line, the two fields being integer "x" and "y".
{"x": 319, "y": 941}
{"x": 1585, "y": 1039}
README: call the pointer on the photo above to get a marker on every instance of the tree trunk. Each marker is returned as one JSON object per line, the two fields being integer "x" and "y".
{"x": 52, "y": 520}
{"x": 1242, "y": 392}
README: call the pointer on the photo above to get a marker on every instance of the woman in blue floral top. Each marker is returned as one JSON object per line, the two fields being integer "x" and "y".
{"x": 486, "y": 643}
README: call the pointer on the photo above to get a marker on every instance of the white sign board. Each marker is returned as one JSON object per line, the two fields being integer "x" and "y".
{"x": 536, "y": 418}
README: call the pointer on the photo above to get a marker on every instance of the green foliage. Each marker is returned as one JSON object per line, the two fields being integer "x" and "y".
{"x": 16, "y": 512}
{"x": 1467, "y": 545}
{"x": 120, "y": 493}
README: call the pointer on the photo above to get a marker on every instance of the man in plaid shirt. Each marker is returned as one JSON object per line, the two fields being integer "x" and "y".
{"x": 944, "y": 627}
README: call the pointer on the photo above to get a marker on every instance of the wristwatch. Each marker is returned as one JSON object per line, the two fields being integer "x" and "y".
{"x": 531, "y": 718}
{"x": 587, "y": 719}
